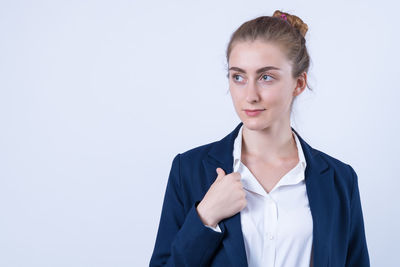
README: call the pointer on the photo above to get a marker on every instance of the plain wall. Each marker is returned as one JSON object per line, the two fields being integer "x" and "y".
{"x": 97, "y": 97}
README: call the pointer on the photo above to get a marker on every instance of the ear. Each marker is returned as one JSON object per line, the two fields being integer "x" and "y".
{"x": 301, "y": 83}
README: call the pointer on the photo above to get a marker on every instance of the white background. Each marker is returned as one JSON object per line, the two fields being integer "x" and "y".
{"x": 97, "y": 97}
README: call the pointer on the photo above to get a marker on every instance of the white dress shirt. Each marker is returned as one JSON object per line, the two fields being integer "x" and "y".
{"x": 277, "y": 226}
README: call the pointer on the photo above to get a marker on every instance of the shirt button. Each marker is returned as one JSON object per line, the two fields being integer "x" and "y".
{"x": 271, "y": 237}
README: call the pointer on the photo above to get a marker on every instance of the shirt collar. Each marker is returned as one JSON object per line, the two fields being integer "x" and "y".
{"x": 237, "y": 150}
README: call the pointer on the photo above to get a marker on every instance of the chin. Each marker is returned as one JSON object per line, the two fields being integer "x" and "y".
{"x": 255, "y": 124}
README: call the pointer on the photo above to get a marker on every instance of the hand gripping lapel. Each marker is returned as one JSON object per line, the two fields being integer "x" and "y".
{"x": 182, "y": 239}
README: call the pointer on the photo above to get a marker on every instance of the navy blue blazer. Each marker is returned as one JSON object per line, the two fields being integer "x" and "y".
{"x": 183, "y": 240}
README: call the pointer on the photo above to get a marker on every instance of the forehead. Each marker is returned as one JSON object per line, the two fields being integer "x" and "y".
{"x": 251, "y": 55}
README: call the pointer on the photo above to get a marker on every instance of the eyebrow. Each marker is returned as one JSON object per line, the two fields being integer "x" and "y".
{"x": 257, "y": 71}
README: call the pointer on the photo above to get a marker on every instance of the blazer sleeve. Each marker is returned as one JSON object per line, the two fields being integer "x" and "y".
{"x": 357, "y": 253}
{"x": 182, "y": 239}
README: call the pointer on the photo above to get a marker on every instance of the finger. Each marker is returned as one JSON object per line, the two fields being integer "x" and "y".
{"x": 221, "y": 173}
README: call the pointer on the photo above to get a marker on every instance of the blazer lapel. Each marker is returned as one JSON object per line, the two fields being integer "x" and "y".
{"x": 319, "y": 184}
{"x": 319, "y": 177}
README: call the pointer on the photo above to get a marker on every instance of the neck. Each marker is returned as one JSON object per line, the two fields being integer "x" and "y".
{"x": 272, "y": 144}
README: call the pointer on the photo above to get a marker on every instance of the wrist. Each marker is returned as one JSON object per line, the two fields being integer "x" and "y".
{"x": 205, "y": 216}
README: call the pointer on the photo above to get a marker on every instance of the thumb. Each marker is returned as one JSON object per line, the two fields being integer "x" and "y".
{"x": 221, "y": 173}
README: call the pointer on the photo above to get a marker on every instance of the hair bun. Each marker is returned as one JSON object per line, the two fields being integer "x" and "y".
{"x": 293, "y": 20}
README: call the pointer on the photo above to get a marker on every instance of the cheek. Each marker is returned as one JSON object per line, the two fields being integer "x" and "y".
{"x": 237, "y": 101}
{"x": 236, "y": 96}
{"x": 272, "y": 98}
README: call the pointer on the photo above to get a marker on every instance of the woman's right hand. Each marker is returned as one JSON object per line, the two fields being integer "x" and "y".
{"x": 224, "y": 198}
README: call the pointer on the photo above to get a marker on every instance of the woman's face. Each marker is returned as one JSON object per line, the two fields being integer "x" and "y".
{"x": 260, "y": 78}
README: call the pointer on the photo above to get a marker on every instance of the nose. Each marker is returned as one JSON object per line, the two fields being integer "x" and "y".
{"x": 252, "y": 95}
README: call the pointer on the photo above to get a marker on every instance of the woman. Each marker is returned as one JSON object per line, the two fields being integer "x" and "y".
{"x": 262, "y": 196}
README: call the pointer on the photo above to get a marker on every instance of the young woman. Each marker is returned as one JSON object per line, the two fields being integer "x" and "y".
{"x": 262, "y": 196}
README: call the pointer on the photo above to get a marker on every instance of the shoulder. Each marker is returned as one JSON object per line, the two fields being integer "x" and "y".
{"x": 344, "y": 173}
{"x": 336, "y": 163}
{"x": 332, "y": 161}
{"x": 323, "y": 159}
{"x": 196, "y": 154}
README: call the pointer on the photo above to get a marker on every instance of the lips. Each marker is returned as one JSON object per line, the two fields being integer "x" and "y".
{"x": 253, "y": 112}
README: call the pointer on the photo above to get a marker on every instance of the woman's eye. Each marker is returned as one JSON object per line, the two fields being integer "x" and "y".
{"x": 265, "y": 75}
{"x": 234, "y": 76}
{"x": 238, "y": 78}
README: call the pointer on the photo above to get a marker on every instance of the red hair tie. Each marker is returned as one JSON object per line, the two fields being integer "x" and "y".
{"x": 283, "y": 16}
